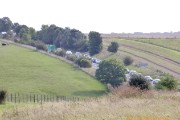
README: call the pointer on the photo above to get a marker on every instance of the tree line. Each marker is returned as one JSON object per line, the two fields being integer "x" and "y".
{"x": 66, "y": 38}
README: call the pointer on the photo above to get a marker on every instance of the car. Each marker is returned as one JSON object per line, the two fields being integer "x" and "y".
{"x": 68, "y": 53}
{"x": 95, "y": 60}
{"x": 155, "y": 81}
{"x": 78, "y": 54}
{"x": 148, "y": 78}
{"x": 87, "y": 56}
{"x": 132, "y": 72}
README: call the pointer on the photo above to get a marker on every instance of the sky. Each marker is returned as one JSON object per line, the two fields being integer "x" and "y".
{"x": 104, "y": 16}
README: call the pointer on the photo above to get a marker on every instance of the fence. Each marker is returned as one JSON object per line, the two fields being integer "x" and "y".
{"x": 36, "y": 98}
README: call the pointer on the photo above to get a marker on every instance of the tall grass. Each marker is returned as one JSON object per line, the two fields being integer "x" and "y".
{"x": 123, "y": 102}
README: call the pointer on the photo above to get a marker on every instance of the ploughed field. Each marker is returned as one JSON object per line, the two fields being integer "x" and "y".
{"x": 27, "y": 71}
{"x": 160, "y": 55}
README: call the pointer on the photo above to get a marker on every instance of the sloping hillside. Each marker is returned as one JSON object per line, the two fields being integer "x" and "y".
{"x": 27, "y": 71}
{"x": 159, "y": 59}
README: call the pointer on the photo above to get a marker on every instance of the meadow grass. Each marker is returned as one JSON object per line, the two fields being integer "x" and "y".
{"x": 121, "y": 103}
{"x": 28, "y": 71}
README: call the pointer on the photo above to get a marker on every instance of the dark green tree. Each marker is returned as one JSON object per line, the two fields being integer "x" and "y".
{"x": 5, "y": 24}
{"x": 83, "y": 62}
{"x": 111, "y": 71}
{"x": 95, "y": 43}
{"x": 113, "y": 47}
{"x": 167, "y": 82}
{"x": 139, "y": 81}
{"x": 128, "y": 60}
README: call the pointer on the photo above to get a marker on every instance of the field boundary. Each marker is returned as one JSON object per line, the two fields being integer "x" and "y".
{"x": 37, "y": 98}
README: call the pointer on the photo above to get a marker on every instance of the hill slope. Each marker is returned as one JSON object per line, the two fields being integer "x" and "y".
{"x": 158, "y": 58}
{"x": 26, "y": 71}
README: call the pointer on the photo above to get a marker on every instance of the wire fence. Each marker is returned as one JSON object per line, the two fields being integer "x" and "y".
{"x": 36, "y": 98}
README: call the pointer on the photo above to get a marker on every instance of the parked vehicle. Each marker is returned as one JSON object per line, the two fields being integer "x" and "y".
{"x": 68, "y": 53}
{"x": 155, "y": 81}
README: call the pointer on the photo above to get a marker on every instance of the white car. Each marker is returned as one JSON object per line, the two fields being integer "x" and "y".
{"x": 148, "y": 78}
{"x": 155, "y": 81}
{"x": 78, "y": 54}
{"x": 68, "y": 53}
{"x": 87, "y": 56}
{"x": 132, "y": 72}
{"x": 95, "y": 60}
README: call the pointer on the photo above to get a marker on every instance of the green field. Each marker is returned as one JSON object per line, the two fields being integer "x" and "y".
{"x": 173, "y": 44}
{"x": 27, "y": 71}
{"x": 159, "y": 58}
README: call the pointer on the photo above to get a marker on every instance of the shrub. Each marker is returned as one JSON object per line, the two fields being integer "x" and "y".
{"x": 111, "y": 71}
{"x": 140, "y": 82}
{"x": 126, "y": 91}
{"x": 83, "y": 62}
{"x": 32, "y": 43}
{"x": 167, "y": 82}
{"x": 128, "y": 60}
{"x": 2, "y": 96}
{"x": 61, "y": 53}
{"x": 71, "y": 58}
{"x": 41, "y": 46}
{"x": 113, "y": 47}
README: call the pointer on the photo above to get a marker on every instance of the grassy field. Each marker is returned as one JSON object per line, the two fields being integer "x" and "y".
{"x": 173, "y": 44}
{"x": 158, "y": 58}
{"x": 27, "y": 71}
{"x": 124, "y": 104}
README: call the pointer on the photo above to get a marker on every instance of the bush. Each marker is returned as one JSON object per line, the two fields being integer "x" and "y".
{"x": 167, "y": 82}
{"x": 41, "y": 46}
{"x": 140, "y": 82}
{"x": 61, "y": 53}
{"x": 111, "y": 71}
{"x": 2, "y": 96}
{"x": 83, "y": 62}
{"x": 128, "y": 60}
{"x": 113, "y": 47}
{"x": 32, "y": 43}
{"x": 71, "y": 58}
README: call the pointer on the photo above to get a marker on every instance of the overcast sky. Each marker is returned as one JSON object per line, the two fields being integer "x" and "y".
{"x": 104, "y": 16}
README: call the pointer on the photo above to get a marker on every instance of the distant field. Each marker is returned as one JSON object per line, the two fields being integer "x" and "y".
{"x": 158, "y": 58}
{"x": 26, "y": 71}
{"x": 173, "y": 44}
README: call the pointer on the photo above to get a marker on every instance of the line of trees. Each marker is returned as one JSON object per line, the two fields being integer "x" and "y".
{"x": 71, "y": 39}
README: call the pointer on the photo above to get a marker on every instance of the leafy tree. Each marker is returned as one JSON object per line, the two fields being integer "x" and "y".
{"x": 67, "y": 38}
{"x": 32, "y": 33}
{"x": 113, "y": 47}
{"x": 111, "y": 71}
{"x": 5, "y": 24}
{"x": 128, "y": 60}
{"x": 84, "y": 62}
{"x": 139, "y": 81}
{"x": 95, "y": 43}
{"x": 167, "y": 82}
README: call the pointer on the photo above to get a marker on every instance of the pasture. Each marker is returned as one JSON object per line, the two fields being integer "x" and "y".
{"x": 28, "y": 71}
{"x": 159, "y": 59}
